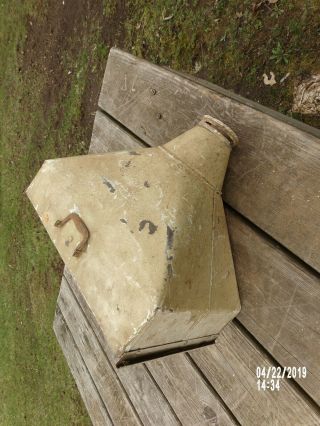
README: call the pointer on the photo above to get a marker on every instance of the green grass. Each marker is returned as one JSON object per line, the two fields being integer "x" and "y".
{"x": 36, "y": 385}
{"x": 230, "y": 44}
{"x": 225, "y": 42}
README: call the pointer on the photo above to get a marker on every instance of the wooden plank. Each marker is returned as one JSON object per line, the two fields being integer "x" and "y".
{"x": 280, "y": 301}
{"x": 192, "y": 400}
{"x": 88, "y": 391}
{"x": 111, "y": 137}
{"x": 292, "y": 339}
{"x": 107, "y": 382}
{"x": 206, "y": 407}
{"x": 137, "y": 383}
{"x": 230, "y": 366}
{"x": 274, "y": 172}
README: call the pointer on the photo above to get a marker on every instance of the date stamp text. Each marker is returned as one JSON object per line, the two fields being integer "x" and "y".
{"x": 269, "y": 378}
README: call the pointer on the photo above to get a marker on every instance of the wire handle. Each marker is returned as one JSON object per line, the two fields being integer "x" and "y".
{"x": 81, "y": 227}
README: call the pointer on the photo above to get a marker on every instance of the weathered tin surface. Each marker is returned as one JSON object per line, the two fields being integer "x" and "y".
{"x": 157, "y": 270}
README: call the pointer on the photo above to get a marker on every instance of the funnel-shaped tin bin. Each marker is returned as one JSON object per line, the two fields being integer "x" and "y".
{"x": 145, "y": 237}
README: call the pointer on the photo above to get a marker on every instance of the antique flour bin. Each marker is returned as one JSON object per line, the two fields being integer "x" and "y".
{"x": 144, "y": 234}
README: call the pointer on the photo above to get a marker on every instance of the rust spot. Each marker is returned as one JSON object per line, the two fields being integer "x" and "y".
{"x": 152, "y": 226}
{"x": 146, "y": 184}
{"x": 123, "y": 221}
{"x": 170, "y": 236}
{"x": 127, "y": 164}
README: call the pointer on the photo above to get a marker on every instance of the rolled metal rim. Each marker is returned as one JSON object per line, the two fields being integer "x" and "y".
{"x": 213, "y": 124}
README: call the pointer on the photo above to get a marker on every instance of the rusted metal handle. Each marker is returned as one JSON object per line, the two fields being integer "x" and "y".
{"x": 81, "y": 227}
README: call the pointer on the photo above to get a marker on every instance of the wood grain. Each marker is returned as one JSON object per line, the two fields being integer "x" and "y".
{"x": 230, "y": 366}
{"x": 280, "y": 301}
{"x": 106, "y": 381}
{"x": 110, "y": 138}
{"x": 274, "y": 172}
{"x": 192, "y": 400}
{"x": 139, "y": 385}
{"x": 88, "y": 391}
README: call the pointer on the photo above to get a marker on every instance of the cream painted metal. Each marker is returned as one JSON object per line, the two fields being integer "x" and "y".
{"x": 147, "y": 240}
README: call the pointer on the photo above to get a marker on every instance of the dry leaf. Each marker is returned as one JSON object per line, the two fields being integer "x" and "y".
{"x": 197, "y": 67}
{"x": 273, "y": 1}
{"x": 239, "y": 14}
{"x": 269, "y": 81}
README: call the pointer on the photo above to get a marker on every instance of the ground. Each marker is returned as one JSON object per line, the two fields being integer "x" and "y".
{"x": 52, "y": 59}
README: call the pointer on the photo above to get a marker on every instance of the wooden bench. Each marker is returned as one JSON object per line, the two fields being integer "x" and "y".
{"x": 272, "y": 200}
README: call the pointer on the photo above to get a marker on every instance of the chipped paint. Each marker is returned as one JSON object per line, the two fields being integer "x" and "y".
{"x": 111, "y": 185}
{"x": 169, "y": 252}
{"x": 48, "y": 165}
{"x": 132, "y": 281}
{"x": 75, "y": 209}
{"x": 152, "y": 226}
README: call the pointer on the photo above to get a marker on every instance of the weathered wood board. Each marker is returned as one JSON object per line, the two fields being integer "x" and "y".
{"x": 191, "y": 398}
{"x": 110, "y": 138}
{"x": 230, "y": 366}
{"x": 135, "y": 398}
{"x": 86, "y": 386}
{"x": 274, "y": 173}
{"x": 150, "y": 403}
{"x": 280, "y": 301}
{"x": 106, "y": 380}
{"x": 291, "y": 338}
